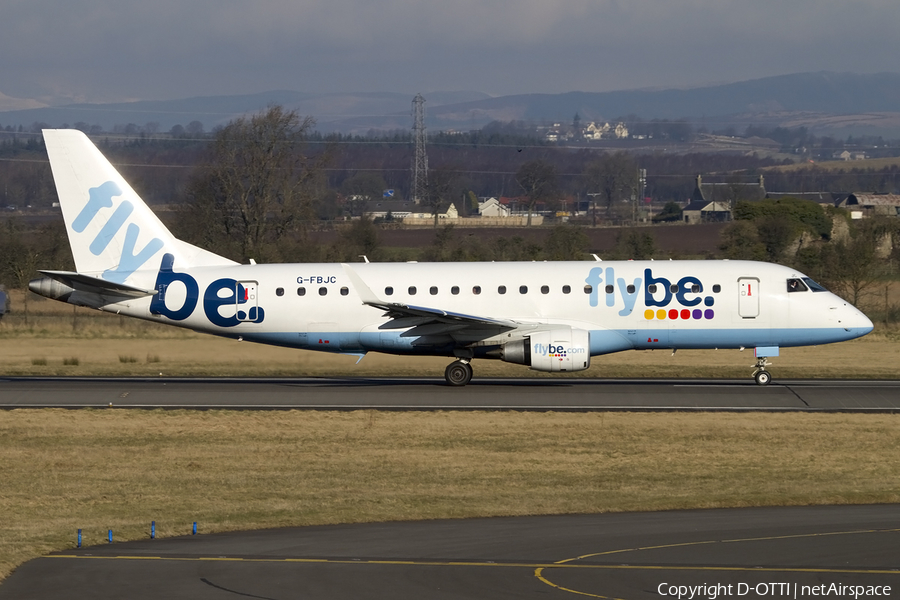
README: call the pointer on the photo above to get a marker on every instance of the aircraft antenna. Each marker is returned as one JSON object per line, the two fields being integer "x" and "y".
{"x": 420, "y": 159}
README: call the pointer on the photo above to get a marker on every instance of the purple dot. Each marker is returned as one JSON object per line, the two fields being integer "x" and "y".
{"x": 709, "y": 313}
{"x": 698, "y": 314}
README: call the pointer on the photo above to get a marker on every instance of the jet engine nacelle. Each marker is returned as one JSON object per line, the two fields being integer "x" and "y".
{"x": 50, "y": 288}
{"x": 563, "y": 349}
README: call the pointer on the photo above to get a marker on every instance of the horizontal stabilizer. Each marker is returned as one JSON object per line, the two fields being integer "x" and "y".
{"x": 95, "y": 285}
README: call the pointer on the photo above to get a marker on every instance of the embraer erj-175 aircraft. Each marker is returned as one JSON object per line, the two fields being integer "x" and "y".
{"x": 550, "y": 316}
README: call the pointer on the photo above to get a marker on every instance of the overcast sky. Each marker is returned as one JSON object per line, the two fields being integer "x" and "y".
{"x": 111, "y": 50}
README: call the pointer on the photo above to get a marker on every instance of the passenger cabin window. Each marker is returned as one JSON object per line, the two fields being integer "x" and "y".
{"x": 344, "y": 291}
{"x": 650, "y": 288}
{"x": 695, "y": 288}
{"x": 796, "y": 285}
{"x": 501, "y": 289}
{"x": 523, "y": 289}
{"x": 567, "y": 289}
{"x": 323, "y": 291}
{"x": 476, "y": 290}
{"x": 433, "y": 290}
{"x": 630, "y": 288}
{"x": 301, "y": 291}
{"x": 412, "y": 290}
{"x": 610, "y": 289}
{"x": 388, "y": 291}
{"x": 588, "y": 289}
{"x": 454, "y": 290}
{"x": 545, "y": 289}
{"x": 673, "y": 288}
{"x": 279, "y": 292}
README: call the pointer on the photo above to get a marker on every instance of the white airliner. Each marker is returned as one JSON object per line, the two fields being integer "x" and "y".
{"x": 550, "y": 316}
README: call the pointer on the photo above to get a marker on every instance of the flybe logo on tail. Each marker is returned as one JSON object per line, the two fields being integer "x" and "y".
{"x": 99, "y": 198}
{"x": 658, "y": 292}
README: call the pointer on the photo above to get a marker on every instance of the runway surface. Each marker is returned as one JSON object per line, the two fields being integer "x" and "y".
{"x": 758, "y": 552}
{"x": 431, "y": 394}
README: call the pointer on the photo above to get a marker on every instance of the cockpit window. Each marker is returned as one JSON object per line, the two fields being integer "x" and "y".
{"x": 796, "y": 285}
{"x": 813, "y": 285}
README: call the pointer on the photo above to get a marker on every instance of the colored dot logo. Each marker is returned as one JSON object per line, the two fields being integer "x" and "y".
{"x": 684, "y": 314}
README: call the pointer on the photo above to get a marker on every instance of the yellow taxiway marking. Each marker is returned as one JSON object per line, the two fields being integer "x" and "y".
{"x": 518, "y": 565}
{"x": 566, "y": 563}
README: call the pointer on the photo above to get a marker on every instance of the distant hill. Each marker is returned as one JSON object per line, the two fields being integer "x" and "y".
{"x": 799, "y": 99}
{"x": 870, "y": 102}
{"x": 836, "y": 93}
{"x": 382, "y": 109}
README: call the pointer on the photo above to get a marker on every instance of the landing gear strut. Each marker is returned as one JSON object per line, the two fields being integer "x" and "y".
{"x": 458, "y": 373}
{"x": 762, "y": 376}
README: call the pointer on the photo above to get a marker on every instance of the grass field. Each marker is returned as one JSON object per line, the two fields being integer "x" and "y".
{"x": 116, "y": 469}
{"x": 198, "y": 355}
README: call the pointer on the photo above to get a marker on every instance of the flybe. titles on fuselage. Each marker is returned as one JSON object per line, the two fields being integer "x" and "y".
{"x": 659, "y": 294}
{"x": 225, "y": 294}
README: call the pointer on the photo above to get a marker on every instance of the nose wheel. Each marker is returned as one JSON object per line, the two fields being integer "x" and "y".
{"x": 762, "y": 376}
{"x": 458, "y": 373}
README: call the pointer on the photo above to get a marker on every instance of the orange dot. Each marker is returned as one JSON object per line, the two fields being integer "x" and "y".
{"x": 648, "y": 314}
{"x": 661, "y": 314}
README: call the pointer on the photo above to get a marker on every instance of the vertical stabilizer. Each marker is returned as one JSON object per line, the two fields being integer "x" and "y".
{"x": 112, "y": 232}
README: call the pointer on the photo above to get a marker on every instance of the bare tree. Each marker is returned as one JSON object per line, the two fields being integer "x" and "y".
{"x": 539, "y": 181}
{"x": 439, "y": 190}
{"x": 853, "y": 266}
{"x": 19, "y": 261}
{"x": 614, "y": 177}
{"x": 257, "y": 187}
{"x": 361, "y": 189}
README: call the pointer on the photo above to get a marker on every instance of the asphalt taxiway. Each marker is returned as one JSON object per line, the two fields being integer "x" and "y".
{"x": 745, "y": 553}
{"x": 541, "y": 394}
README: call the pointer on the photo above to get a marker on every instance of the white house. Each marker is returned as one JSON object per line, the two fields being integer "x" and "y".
{"x": 492, "y": 208}
{"x": 597, "y": 132}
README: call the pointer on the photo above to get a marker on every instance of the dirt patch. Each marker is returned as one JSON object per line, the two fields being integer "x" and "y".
{"x": 671, "y": 240}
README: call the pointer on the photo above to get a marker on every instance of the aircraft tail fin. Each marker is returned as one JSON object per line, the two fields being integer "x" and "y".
{"x": 112, "y": 232}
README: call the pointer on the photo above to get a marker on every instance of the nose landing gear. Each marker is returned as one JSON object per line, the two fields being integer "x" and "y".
{"x": 762, "y": 376}
{"x": 458, "y": 373}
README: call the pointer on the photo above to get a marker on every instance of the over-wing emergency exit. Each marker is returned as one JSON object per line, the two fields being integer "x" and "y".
{"x": 549, "y": 316}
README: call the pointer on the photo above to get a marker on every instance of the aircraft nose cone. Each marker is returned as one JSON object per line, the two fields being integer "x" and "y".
{"x": 857, "y": 323}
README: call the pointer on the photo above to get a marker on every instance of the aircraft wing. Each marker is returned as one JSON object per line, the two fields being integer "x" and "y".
{"x": 429, "y": 323}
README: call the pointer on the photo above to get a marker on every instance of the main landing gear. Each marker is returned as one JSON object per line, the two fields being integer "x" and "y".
{"x": 458, "y": 373}
{"x": 762, "y": 376}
